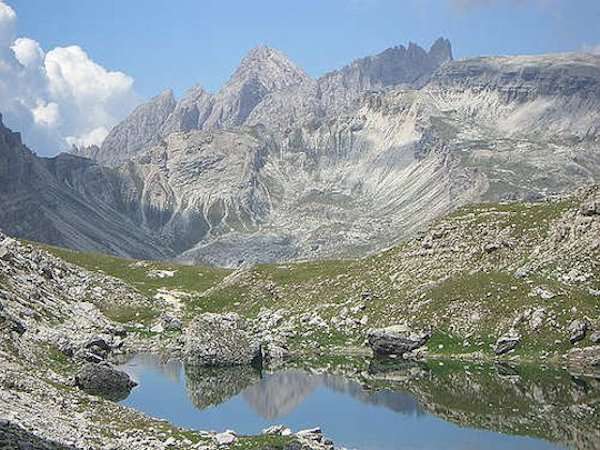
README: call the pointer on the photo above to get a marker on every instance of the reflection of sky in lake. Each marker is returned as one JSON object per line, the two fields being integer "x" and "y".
{"x": 349, "y": 415}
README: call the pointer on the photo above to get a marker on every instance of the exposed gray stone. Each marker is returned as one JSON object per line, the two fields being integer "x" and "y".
{"x": 104, "y": 381}
{"x": 577, "y": 330}
{"x": 506, "y": 343}
{"x": 220, "y": 340}
{"x": 396, "y": 340}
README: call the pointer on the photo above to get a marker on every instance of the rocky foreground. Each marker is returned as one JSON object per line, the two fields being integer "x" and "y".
{"x": 506, "y": 282}
{"x": 58, "y": 388}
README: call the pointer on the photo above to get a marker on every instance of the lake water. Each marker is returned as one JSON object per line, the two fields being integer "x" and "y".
{"x": 435, "y": 414}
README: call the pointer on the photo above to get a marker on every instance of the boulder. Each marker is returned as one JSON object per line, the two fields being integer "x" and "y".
{"x": 226, "y": 438}
{"x": 104, "y": 381}
{"x": 492, "y": 247}
{"x": 591, "y": 208}
{"x": 313, "y": 438}
{"x": 587, "y": 357}
{"x": 506, "y": 343}
{"x": 577, "y": 330}
{"x": 213, "y": 340}
{"x": 395, "y": 340}
{"x": 595, "y": 337}
{"x": 277, "y": 430}
{"x": 170, "y": 323}
{"x": 537, "y": 319}
{"x": 98, "y": 342}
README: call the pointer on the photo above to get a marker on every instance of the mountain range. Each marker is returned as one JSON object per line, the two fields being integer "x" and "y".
{"x": 279, "y": 166}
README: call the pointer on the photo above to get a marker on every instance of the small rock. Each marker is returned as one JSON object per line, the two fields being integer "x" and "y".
{"x": 492, "y": 247}
{"x": 543, "y": 293}
{"x": 591, "y": 208}
{"x": 226, "y": 438}
{"x": 577, "y": 330}
{"x": 506, "y": 343}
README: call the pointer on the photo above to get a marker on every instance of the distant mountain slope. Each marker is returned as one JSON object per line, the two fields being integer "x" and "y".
{"x": 271, "y": 168}
{"x": 262, "y": 74}
{"x": 68, "y": 201}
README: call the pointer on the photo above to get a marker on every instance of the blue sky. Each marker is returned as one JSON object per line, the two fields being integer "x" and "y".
{"x": 175, "y": 44}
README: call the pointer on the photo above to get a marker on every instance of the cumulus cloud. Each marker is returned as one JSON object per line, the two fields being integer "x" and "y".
{"x": 57, "y": 98}
{"x": 28, "y": 52}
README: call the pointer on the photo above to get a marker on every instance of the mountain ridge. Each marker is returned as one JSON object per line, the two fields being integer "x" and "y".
{"x": 302, "y": 178}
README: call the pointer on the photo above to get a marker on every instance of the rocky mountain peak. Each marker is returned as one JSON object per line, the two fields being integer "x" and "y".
{"x": 141, "y": 128}
{"x": 7, "y": 137}
{"x": 271, "y": 67}
{"x": 441, "y": 51}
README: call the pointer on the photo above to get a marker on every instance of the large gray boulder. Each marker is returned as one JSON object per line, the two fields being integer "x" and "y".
{"x": 214, "y": 340}
{"x": 104, "y": 381}
{"x": 396, "y": 340}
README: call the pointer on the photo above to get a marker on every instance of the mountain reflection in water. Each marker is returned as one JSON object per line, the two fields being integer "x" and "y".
{"x": 454, "y": 406}
{"x": 278, "y": 394}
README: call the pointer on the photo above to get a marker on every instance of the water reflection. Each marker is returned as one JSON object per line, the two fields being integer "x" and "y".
{"x": 212, "y": 386}
{"x": 541, "y": 402}
{"x": 279, "y": 394}
{"x": 382, "y": 405}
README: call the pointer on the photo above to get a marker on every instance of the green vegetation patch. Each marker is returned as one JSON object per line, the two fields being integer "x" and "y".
{"x": 265, "y": 442}
{"x": 189, "y": 279}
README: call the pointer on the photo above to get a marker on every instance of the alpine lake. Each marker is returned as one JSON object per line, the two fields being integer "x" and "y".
{"x": 372, "y": 404}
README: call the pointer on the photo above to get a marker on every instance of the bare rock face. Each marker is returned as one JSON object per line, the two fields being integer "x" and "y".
{"x": 189, "y": 113}
{"x": 396, "y": 340}
{"x": 71, "y": 202}
{"x": 263, "y": 71}
{"x": 141, "y": 129}
{"x": 214, "y": 340}
{"x": 398, "y": 66}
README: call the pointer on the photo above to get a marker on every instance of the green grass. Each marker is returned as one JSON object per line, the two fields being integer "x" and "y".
{"x": 57, "y": 360}
{"x": 266, "y": 442}
{"x": 191, "y": 279}
{"x": 304, "y": 272}
{"x": 130, "y": 313}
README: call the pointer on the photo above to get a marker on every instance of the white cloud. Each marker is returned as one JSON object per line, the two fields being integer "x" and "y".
{"x": 59, "y": 98}
{"x": 28, "y": 52}
{"x": 94, "y": 137}
{"x": 46, "y": 115}
{"x": 8, "y": 20}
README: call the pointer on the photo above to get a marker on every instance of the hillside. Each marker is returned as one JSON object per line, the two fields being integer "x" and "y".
{"x": 525, "y": 270}
{"x": 481, "y": 272}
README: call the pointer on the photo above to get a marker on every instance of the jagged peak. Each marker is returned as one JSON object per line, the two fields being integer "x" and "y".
{"x": 13, "y": 137}
{"x": 441, "y": 50}
{"x": 270, "y": 66}
{"x": 165, "y": 96}
{"x": 165, "y": 99}
{"x": 265, "y": 53}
